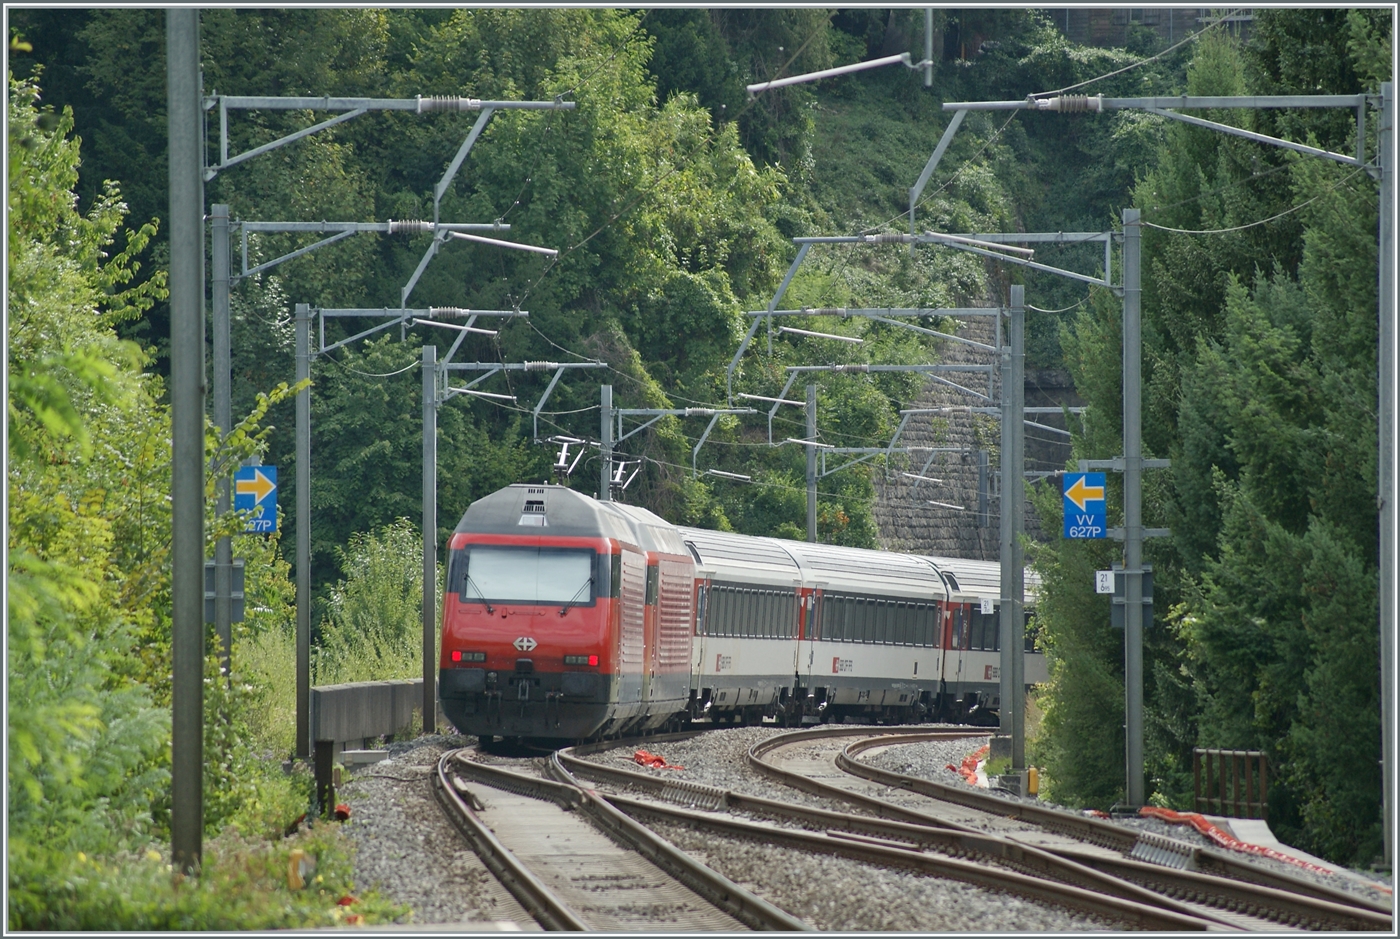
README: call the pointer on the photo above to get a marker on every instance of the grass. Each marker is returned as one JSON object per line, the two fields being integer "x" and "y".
{"x": 269, "y": 662}
{"x": 997, "y": 767}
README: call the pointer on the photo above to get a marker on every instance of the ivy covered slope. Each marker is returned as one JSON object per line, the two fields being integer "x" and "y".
{"x": 1260, "y": 385}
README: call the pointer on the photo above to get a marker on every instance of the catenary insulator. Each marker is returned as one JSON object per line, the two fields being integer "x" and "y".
{"x": 1069, "y": 104}
{"x": 448, "y": 311}
{"x": 447, "y": 103}
{"x": 857, "y": 367}
{"x": 541, "y": 366}
{"x": 887, "y": 238}
{"x": 410, "y": 226}
{"x": 825, "y": 311}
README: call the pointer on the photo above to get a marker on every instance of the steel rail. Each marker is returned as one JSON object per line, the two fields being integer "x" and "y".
{"x": 957, "y": 842}
{"x": 1215, "y": 890}
{"x": 1099, "y": 832}
{"x": 539, "y": 901}
{"x": 719, "y": 890}
{"x": 1296, "y": 899}
{"x": 1221, "y": 863}
{"x": 1092, "y": 830}
{"x": 739, "y": 903}
{"x": 890, "y": 854}
{"x": 877, "y": 806}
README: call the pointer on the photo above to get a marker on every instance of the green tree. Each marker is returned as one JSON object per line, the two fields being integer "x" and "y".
{"x": 1259, "y": 383}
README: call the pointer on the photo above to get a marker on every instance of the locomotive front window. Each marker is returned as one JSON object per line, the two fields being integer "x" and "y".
{"x": 530, "y": 575}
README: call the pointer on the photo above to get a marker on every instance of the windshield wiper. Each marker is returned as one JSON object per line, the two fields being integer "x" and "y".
{"x": 568, "y": 603}
{"x": 481, "y": 594}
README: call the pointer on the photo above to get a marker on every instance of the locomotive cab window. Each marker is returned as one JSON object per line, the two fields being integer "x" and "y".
{"x": 529, "y": 575}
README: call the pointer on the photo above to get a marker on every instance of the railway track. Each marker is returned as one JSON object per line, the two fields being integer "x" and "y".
{"x": 991, "y": 863}
{"x": 952, "y": 833}
{"x": 576, "y": 863}
{"x": 1193, "y": 880}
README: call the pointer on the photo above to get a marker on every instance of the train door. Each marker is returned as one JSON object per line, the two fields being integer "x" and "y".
{"x": 811, "y": 680}
{"x": 954, "y": 641}
{"x": 650, "y": 633}
{"x": 699, "y": 691}
{"x": 803, "y": 651}
{"x": 806, "y": 626}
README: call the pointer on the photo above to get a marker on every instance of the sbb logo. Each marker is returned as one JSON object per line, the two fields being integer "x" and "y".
{"x": 839, "y": 665}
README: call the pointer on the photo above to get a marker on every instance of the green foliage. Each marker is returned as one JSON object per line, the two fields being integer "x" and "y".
{"x": 373, "y": 625}
{"x": 1259, "y": 382}
{"x": 88, "y": 590}
{"x": 244, "y": 785}
{"x": 1081, "y": 733}
{"x": 86, "y": 747}
{"x": 243, "y": 885}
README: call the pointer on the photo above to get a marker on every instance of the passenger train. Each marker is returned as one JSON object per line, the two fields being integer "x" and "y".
{"x": 569, "y": 618}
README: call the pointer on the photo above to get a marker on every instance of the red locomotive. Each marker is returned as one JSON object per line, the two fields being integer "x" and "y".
{"x": 569, "y": 618}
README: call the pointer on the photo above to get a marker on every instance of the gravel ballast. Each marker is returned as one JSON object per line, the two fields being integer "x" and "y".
{"x": 929, "y": 761}
{"x": 832, "y": 893}
{"x": 409, "y": 851}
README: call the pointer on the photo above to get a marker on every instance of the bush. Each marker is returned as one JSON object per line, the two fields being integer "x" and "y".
{"x": 372, "y": 630}
{"x": 244, "y": 885}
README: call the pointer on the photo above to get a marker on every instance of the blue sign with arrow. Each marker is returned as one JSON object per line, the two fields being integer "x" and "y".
{"x": 255, "y": 490}
{"x": 1086, "y": 509}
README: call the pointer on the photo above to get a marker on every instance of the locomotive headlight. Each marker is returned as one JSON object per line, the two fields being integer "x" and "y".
{"x": 581, "y": 660}
{"x": 459, "y": 656}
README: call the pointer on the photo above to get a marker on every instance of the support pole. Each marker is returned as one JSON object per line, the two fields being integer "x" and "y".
{"x": 1012, "y": 622}
{"x": 187, "y": 438}
{"x": 605, "y": 446}
{"x": 430, "y": 539}
{"x": 1132, "y": 502}
{"x": 811, "y": 465}
{"x": 1386, "y": 165}
{"x": 303, "y": 564}
{"x": 223, "y": 421}
{"x": 928, "y": 47}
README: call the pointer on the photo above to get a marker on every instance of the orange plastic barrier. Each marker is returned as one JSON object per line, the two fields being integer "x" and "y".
{"x": 968, "y": 770}
{"x": 1204, "y": 826}
{"x": 653, "y": 760}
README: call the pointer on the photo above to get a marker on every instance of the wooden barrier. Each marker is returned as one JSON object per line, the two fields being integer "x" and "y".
{"x": 1235, "y": 783}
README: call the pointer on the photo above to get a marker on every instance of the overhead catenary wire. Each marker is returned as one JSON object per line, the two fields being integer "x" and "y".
{"x": 1073, "y": 306}
{"x": 1263, "y": 221}
{"x": 349, "y": 368}
{"x": 1128, "y": 68}
{"x": 827, "y": 497}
